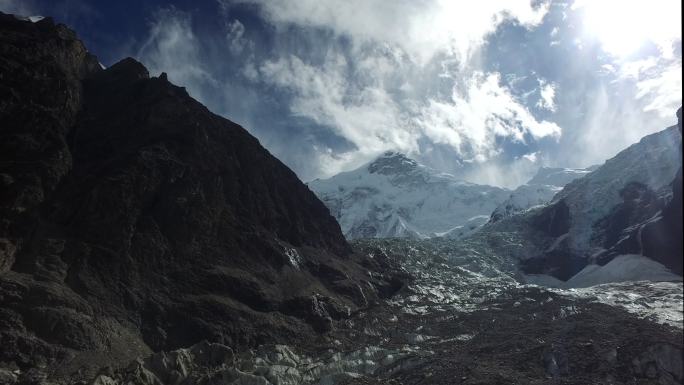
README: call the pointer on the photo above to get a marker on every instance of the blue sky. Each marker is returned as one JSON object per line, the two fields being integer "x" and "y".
{"x": 487, "y": 90}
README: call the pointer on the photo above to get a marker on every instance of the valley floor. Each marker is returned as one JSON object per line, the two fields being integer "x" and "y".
{"x": 461, "y": 323}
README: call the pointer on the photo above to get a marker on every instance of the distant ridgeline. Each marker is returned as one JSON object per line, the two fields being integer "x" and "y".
{"x": 395, "y": 196}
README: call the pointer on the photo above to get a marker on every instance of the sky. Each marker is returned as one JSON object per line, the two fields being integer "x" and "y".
{"x": 488, "y": 90}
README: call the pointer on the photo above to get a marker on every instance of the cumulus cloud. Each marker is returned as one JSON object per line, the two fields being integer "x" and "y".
{"x": 470, "y": 120}
{"x": 410, "y": 76}
{"x": 473, "y": 119}
{"x": 547, "y": 92}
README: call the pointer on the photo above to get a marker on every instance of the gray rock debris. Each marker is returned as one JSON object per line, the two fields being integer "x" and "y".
{"x": 209, "y": 363}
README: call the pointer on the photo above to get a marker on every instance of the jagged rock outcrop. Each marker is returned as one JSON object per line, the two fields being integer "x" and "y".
{"x": 132, "y": 219}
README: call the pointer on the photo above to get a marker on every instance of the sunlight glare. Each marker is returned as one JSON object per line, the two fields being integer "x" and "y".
{"x": 624, "y": 26}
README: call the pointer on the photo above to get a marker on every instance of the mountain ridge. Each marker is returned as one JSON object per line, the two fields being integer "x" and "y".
{"x": 395, "y": 196}
{"x": 601, "y": 215}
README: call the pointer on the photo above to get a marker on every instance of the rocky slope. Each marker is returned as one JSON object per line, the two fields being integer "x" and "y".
{"x": 538, "y": 191}
{"x": 132, "y": 219}
{"x": 395, "y": 196}
{"x": 463, "y": 320}
{"x": 629, "y": 205}
{"x": 648, "y": 223}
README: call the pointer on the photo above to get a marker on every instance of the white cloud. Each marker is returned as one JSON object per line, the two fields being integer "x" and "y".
{"x": 406, "y": 76}
{"x": 235, "y": 31}
{"x": 634, "y": 69}
{"x": 658, "y": 82}
{"x": 532, "y": 157}
{"x": 420, "y": 28}
{"x": 379, "y": 95}
{"x": 611, "y": 123}
{"x": 623, "y": 26}
{"x": 172, "y": 47}
{"x": 547, "y": 93}
{"x": 366, "y": 116}
{"x": 663, "y": 90}
{"x": 475, "y": 117}
{"x": 370, "y": 118}
{"x": 508, "y": 174}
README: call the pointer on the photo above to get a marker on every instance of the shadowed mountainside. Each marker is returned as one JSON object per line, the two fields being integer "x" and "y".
{"x": 629, "y": 205}
{"x": 132, "y": 219}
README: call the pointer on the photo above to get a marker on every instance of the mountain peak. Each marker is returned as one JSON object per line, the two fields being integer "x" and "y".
{"x": 392, "y": 162}
{"x": 395, "y": 196}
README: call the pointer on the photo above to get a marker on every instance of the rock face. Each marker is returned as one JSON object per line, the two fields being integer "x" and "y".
{"x": 132, "y": 219}
{"x": 656, "y": 230}
{"x": 629, "y": 205}
{"x": 395, "y": 196}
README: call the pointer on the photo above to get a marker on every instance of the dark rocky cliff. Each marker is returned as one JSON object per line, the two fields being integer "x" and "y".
{"x": 132, "y": 219}
{"x": 660, "y": 235}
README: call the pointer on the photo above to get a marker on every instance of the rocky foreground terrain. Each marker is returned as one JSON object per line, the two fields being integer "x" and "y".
{"x": 459, "y": 322}
{"x": 145, "y": 240}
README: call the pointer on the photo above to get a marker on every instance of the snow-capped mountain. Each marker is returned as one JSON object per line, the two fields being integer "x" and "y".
{"x": 395, "y": 196}
{"x": 538, "y": 191}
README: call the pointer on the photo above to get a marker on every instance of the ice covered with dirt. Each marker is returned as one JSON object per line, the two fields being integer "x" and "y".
{"x": 465, "y": 317}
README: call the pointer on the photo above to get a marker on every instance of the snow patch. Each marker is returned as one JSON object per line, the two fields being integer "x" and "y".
{"x": 623, "y": 268}
{"x": 294, "y": 257}
{"x": 629, "y": 267}
{"x": 32, "y": 19}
